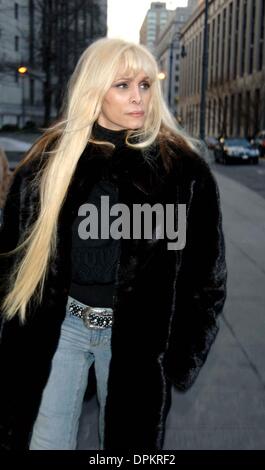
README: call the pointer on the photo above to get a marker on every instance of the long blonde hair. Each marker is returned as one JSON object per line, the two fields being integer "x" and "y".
{"x": 63, "y": 143}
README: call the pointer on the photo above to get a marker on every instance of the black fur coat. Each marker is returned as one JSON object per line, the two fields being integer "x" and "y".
{"x": 166, "y": 302}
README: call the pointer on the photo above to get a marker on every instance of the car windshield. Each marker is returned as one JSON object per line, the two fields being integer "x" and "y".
{"x": 237, "y": 142}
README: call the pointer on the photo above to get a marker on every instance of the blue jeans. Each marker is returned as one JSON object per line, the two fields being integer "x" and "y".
{"x": 56, "y": 426}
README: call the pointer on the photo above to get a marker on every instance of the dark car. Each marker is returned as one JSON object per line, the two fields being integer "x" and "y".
{"x": 211, "y": 142}
{"x": 235, "y": 150}
{"x": 259, "y": 142}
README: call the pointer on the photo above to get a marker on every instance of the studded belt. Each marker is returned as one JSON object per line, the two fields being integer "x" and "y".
{"x": 93, "y": 317}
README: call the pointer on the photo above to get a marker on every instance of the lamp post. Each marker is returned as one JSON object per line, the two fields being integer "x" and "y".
{"x": 161, "y": 77}
{"x": 22, "y": 70}
{"x": 173, "y": 44}
{"x": 204, "y": 72}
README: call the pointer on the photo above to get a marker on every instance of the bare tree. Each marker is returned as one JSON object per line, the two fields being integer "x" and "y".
{"x": 64, "y": 33}
{"x": 58, "y": 31}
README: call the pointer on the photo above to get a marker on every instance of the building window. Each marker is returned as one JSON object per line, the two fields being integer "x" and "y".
{"x": 16, "y": 43}
{"x": 230, "y": 18}
{"x": 239, "y": 111}
{"x": 232, "y": 104}
{"x": 244, "y": 26}
{"x": 247, "y": 114}
{"x": 200, "y": 62}
{"x": 214, "y": 116}
{"x": 16, "y": 11}
{"x": 225, "y": 115}
{"x": 252, "y": 37}
{"x": 217, "y": 49}
{"x": 220, "y": 113}
{"x": 196, "y": 64}
{"x": 209, "y": 116}
{"x": 261, "y": 40}
{"x": 236, "y": 37}
{"x": 223, "y": 45}
{"x": 257, "y": 111}
{"x": 213, "y": 50}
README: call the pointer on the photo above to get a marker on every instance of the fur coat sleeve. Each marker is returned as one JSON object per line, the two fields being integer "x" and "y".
{"x": 9, "y": 231}
{"x": 201, "y": 285}
{"x": 5, "y": 177}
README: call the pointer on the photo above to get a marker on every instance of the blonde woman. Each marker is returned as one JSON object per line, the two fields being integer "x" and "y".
{"x": 83, "y": 285}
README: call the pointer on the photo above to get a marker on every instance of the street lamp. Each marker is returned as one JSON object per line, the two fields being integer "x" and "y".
{"x": 23, "y": 70}
{"x": 161, "y": 76}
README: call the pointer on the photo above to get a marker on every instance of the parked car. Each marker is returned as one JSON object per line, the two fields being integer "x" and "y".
{"x": 15, "y": 149}
{"x": 259, "y": 142}
{"x": 235, "y": 150}
{"x": 211, "y": 142}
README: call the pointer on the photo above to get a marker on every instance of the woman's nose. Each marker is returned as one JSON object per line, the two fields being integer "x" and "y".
{"x": 136, "y": 95}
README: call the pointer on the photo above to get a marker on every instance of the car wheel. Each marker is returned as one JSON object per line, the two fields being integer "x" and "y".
{"x": 255, "y": 161}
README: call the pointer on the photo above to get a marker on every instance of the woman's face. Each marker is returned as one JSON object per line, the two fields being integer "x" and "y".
{"x": 126, "y": 103}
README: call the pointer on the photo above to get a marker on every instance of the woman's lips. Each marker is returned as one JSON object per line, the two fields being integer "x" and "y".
{"x": 137, "y": 113}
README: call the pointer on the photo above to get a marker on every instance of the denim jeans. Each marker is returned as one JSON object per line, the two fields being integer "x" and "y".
{"x": 56, "y": 426}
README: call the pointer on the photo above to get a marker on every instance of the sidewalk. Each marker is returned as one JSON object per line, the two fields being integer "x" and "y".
{"x": 225, "y": 409}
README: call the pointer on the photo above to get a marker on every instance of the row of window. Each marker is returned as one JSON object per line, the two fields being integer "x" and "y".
{"x": 191, "y": 67}
{"x": 226, "y": 31}
{"x": 231, "y": 115}
{"x": 228, "y": 43}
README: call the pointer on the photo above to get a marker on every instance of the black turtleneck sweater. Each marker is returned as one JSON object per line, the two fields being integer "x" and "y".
{"x": 94, "y": 261}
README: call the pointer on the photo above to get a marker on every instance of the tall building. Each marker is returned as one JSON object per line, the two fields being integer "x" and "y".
{"x": 155, "y": 20}
{"x": 168, "y": 53}
{"x": 47, "y": 38}
{"x": 13, "y": 52}
{"x": 235, "y": 99}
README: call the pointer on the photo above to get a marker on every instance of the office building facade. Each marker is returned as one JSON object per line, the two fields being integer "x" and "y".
{"x": 235, "y": 98}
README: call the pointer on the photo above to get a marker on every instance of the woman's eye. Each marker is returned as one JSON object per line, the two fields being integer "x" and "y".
{"x": 145, "y": 85}
{"x": 122, "y": 85}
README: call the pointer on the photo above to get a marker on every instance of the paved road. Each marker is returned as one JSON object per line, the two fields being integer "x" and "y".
{"x": 252, "y": 176}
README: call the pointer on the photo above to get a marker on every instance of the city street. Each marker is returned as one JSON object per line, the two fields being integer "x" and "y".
{"x": 251, "y": 176}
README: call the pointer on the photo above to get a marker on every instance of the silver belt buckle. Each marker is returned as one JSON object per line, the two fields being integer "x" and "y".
{"x": 86, "y": 318}
{"x": 88, "y": 311}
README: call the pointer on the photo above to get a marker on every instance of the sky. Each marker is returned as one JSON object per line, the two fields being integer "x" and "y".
{"x": 125, "y": 17}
